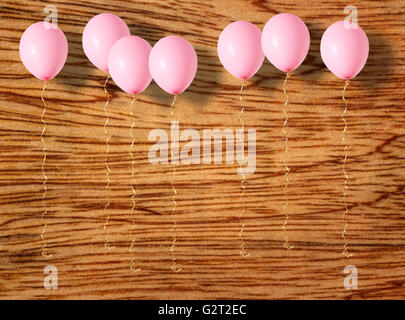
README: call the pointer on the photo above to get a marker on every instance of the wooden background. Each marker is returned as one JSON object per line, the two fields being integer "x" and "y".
{"x": 208, "y": 195}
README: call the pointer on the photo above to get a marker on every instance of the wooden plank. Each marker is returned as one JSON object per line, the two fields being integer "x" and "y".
{"x": 208, "y": 195}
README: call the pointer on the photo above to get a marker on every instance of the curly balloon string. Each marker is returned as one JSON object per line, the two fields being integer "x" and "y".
{"x": 242, "y": 250}
{"x": 133, "y": 196}
{"x": 107, "y": 243}
{"x": 287, "y": 245}
{"x": 174, "y": 266}
{"x": 346, "y": 177}
{"x": 45, "y": 178}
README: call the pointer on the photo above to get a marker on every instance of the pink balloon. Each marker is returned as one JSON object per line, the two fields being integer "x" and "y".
{"x": 173, "y": 64}
{"x": 128, "y": 64}
{"x": 99, "y": 35}
{"x": 240, "y": 50}
{"x": 285, "y": 41}
{"x": 43, "y": 50}
{"x": 344, "y": 50}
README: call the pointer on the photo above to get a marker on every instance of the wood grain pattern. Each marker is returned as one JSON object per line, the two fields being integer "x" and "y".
{"x": 208, "y": 195}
